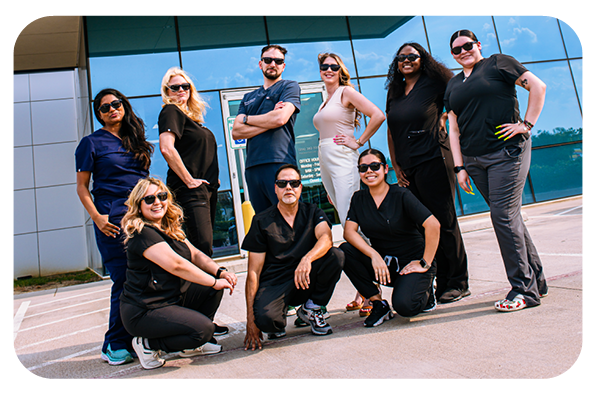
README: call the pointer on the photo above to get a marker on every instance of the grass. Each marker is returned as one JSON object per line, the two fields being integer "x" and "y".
{"x": 22, "y": 285}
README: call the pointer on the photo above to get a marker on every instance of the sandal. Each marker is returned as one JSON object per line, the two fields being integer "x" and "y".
{"x": 518, "y": 303}
{"x": 365, "y": 311}
{"x": 353, "y": 305}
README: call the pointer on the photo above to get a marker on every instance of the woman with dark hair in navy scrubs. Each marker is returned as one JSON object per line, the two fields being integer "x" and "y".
{"x": 117, "y": 156}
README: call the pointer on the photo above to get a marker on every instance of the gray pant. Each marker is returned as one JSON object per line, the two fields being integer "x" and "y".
{"x": 500, "y": 178}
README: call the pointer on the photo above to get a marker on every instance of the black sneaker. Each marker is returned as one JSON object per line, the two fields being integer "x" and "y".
{"x": 452, "y": 295}
{"x": 315, "y": 318}
{"x": 431, "y": 303}
{"x": 220, "y": 330}
{"x": 275, "y": 335}
{"x": 381, "y": 312}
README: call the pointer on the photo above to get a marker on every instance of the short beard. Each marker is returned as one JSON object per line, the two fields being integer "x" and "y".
{"x": 271, "y": 75}
{"x": 289, "y": 200}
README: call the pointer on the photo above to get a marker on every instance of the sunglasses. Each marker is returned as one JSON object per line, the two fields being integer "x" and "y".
{"x": 184, "y": 86}
{"x": 362, "y": 168}
{"x": 467, "y": 46}
{"x": 269, "y": 60}
{"x": 409, "y": 57}
{"x": 104, "y": 108}
{"x": 150, "y": 199}
{"x": 334, "y": 67}
{"x": 282, "y": 184}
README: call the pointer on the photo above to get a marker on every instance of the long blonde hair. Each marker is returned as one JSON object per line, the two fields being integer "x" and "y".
{"x": 195, "y": 107}
{"x": 344, "y": 79}
{"x": 133, "y": 221}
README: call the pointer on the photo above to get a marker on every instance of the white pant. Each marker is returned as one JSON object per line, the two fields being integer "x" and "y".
{"x": 339, "y": 174}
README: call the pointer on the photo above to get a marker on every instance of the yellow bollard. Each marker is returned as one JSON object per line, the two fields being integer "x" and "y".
{"x": 248, "y": 214}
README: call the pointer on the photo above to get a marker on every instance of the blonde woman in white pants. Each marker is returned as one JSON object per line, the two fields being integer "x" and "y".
{"x": 336, "y": 121}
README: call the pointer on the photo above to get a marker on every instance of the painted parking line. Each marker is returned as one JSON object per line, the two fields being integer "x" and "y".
{"x": 64, "y": 319}
{"x": 66, "y": 307}
{"x": 63, "y": 336}
{"x": 69, "y": 298}
{"x": 19, "y": 317}
{"x": 80, "y": 353}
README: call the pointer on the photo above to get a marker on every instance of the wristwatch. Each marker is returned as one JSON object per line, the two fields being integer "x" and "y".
{"x": 424, "y": 264}
{"x": 459, "y": 168}
{"x": 245, "y": 120}
{"x": 219, "y": 271}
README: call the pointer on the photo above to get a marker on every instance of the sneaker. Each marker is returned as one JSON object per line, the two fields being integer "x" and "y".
{"x": 325, "y": 313}
{"x": 291, "y": 310}
{"x": 275, "y": 335}
{"x": 381, "y": 312}
{"x": 205, "y": 349}
{"x": 149, "y": 359}
{"x": 298, "y": 323}
{"x": 431, "y": 302}
{"x": 315, "y": 318}
{"x": 452, "y": 295}
{"x": 116, "y": 357}
{"x": 516, "y": 304}
{"x": 220, "y": 330}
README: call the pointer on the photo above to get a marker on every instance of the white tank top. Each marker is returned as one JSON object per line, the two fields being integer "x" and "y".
{"x": 333, "y": 118}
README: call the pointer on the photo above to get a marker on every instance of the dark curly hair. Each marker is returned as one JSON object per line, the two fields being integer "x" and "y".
{"x": 132, "y": 128}
{"x": 429, "y": 66}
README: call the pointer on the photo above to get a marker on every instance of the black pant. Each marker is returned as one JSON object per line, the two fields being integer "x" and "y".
{"x": 177, "y": 327}
{"x": 431, "y": 183}
{"x": 411, "y": 292}
{"x": 272, "y": 299}
{"x": 199, "y": 211}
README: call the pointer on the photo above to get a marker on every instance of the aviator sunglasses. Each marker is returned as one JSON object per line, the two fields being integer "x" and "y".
{"x": 362, "y": 168}
{"x": 410, "y": 57}
{"x": 334, "y": 67}
{"x": 269, "y": 60}
{"x": 104, "y": 108}
{"x": 162, "y": 196}
{"x": 467, "y": 46}
{"x": 282, "y": 184}
{"x": 184, "y": 86}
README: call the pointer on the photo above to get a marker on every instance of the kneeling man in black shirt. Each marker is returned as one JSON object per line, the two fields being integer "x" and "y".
{"x": 291, "y": 261}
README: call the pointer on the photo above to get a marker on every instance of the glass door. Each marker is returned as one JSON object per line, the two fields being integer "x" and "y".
{"x": 307, "y": 147}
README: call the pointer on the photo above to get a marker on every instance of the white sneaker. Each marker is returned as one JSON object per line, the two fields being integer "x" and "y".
{"x": 205, "y": 349}
{"x": 149, "y": 359}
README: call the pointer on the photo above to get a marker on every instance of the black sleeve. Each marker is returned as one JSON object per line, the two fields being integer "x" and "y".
{"x": 414, "y": 208}
{"x": 255, "y": 240}
{"x": 319, "y": 216}
{"x": 171, "y": 119}
{"x": 143, "y": 240}
{"x": 509, "y": 68}
{"x": 353, "y": 210}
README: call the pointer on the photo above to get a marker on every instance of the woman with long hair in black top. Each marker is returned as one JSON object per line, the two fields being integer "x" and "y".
{"x": 421, "y": 157}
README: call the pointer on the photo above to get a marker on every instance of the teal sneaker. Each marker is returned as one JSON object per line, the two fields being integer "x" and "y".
{"x": 116, "y": 357}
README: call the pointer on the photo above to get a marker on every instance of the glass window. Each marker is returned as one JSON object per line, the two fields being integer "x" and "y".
{"x": 130, "y": 54}
{"x": 572, "y": 41}
{"x": 560, "y": 120}
{"x": 374, "y": 90}
{"x": 576, "y": 69}
{"x": 376, "y": 40}
{"x": 222, "y": 52}
{"x": 306, "y": 37}
{"x": 213, "y": 120}
{"x": 557, "y": 171}
{"x": 440, "y": 30}
{"x": 530, "y": 38}
{"x": 225, "y": 237}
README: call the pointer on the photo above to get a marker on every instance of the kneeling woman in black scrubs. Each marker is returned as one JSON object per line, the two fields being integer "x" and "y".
{"x": 399, "y": 255}
{"x": 172, "y": 290}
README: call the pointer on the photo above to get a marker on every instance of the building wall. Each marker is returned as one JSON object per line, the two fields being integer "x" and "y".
{"x": 51, "y": 112}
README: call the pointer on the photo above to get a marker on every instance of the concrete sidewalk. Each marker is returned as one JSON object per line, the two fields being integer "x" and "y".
{"x": 59, "y": 333}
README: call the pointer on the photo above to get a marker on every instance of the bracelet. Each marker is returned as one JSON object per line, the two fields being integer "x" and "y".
{"x": 213, "y": 285}
{"x": 528, "y": 124}
{"x": 359, "y": 143}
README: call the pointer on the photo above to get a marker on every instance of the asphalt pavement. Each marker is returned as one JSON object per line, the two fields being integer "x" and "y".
{"x": 58, "y": 333}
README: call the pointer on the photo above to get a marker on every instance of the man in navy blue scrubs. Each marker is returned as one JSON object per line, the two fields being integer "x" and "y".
{"x": 266, "y": 119}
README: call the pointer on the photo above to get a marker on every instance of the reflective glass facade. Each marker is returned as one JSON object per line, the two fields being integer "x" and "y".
{"x": 222, "y": 54}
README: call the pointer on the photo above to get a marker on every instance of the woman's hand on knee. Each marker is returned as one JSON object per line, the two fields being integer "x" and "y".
{"x": 382, "y": 273}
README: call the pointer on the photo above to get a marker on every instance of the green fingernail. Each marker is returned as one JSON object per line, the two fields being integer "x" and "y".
{"x": 497, "y": 133}
{"x": 499, "y": 126}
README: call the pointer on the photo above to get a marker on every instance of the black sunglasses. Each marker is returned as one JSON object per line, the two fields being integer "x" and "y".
{"x": 269, "y": 60}
{"x": 150, "y": 199}
{"x": 362, "y": 168}
{"x": 184, "y": 86}
{"x": 467, "y": 46}
{"x": 282, "y": 184}
{"x": 409, "y": 57}
{"x": 104, "y": 108}
{"x": 334, "y": 67}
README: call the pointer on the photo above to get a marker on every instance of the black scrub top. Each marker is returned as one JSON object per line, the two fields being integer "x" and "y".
{"x": 483, "y": 101}
{"x": 393, "y": 227}
{"x": 148, "y": 285}
{"x": 284, "y": 246}
{"x": 195, "y": 144}
{"x": 413, "y": 121}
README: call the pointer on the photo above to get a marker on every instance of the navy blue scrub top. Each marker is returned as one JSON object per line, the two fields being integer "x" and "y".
{"x": 115, "y": 170}
{"x": 275, "y": 145}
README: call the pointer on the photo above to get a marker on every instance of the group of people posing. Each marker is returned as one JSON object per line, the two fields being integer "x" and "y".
{"x": 155, "y": 239}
